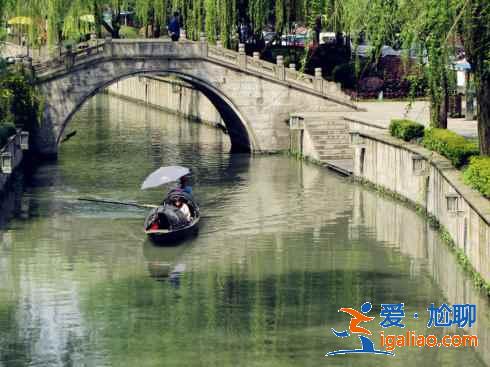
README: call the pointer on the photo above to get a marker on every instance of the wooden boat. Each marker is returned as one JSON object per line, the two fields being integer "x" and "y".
{"x": 166, "y": 224}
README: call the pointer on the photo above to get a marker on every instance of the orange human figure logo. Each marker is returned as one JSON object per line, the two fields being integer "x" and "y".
{"x": 357, "y": 318}
{"x": 367, "y": 345}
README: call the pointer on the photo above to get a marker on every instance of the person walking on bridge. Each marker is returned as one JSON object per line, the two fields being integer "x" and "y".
{"x": 174, "y": 27}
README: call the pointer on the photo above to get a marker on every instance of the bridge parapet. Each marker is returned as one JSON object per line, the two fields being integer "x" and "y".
{"x": 68, "y": 59}
{"x": 153, "y": 48}
{"x": 117, "y": 49}
{"x": 278, "y": 71}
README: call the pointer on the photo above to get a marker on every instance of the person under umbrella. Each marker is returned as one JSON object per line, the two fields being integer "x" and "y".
{"x": 184, "y": 185}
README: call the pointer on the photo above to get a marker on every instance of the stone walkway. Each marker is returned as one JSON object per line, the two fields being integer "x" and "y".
{"x": 331, "y": 143}
{"x": 381, "y": 113}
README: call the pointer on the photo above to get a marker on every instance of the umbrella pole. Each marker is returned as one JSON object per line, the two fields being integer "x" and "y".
{"x": 119, "y": 203}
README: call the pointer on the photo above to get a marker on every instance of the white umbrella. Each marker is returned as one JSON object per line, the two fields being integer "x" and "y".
{"x": 164, "y": 175}
{"x": 20, "y": 21}
{"x": 89, "y": 18}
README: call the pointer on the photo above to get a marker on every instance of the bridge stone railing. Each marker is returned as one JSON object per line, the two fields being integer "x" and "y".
{"x": 67, "y": 59}
{"x": 155, "y": 48}
{"x": 277, "y": 70}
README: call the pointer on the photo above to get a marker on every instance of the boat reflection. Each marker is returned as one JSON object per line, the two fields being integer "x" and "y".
{"x": 165, "y": 263}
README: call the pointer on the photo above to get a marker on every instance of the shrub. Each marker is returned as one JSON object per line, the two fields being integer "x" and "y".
{"x": 396, "y": 88}
{"x": 345, "y": 74}
{"x": 22, "y": 101}
{"x": 451, "y": 145}
{"x": 406, "y": 129}
{"x": 418, "y": 84}
{"x": 477, "y": 175}
{"x": 6, "y": 131}
{"x": 371, "y": 84}
{"x": 128, "y": 32}
{"x": 327, "y": 57}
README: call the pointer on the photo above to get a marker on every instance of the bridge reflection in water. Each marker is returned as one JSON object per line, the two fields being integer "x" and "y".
{"x": 283, "y": 245}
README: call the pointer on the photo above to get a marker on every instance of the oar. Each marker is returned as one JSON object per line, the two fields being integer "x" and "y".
{"x": 119, "y": 203}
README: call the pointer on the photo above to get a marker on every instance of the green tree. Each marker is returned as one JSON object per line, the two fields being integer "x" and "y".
{"x": 211, "y": 19}
{"x": 426, "y": 27}
{"x": 257, "y": 10}
{"x": 475, "y": 30}
{"x": 280, "y": 16}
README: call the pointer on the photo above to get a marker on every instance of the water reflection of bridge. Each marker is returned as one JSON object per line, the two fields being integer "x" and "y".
{"x": 287, "y": 245}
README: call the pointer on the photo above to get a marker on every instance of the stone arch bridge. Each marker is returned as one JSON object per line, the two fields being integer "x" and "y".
{"x": 255, "y": 98}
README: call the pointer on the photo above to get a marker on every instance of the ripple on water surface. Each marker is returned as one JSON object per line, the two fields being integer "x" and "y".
{"x": 282, "y": 246}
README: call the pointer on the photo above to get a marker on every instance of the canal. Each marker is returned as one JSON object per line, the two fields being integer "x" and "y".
{"x": 283, "y": 245}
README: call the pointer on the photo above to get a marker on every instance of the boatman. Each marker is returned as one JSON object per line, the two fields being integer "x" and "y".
{"x": 184, "y": 185}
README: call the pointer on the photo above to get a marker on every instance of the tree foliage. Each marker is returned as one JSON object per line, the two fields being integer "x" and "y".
{"x": 475, "y": 30}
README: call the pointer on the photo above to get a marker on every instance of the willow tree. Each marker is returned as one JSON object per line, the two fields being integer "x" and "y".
{"x": 286, "y": 12}
{"x": 161, "y": 13}
{"x": 226, "y": 25}
{"x": 62, "y": 18}
{"x": 198, "y": 17}
{"x": 422, "y": 24}
{"x": 72, "y": 11}
{"x": 280, "y": 15}
{"x": 354, "y": 17}
{"x": 143, "y": 10}
{"x": 45, "y": 16}
{"x": 96, "y": 8}
{"x": 426, "y": 29}
{"x": 216, "y": 18}
{"x": 313, "y": 10}
{"x": 427, "y": 26}
{"x": 74, "y": 25}
{"x": 224, "y": 22}
{"x": 475, "y": 30}
{"x": 334, "y": 15}
{"x": 257, "y": 12}
{"x": 4, "y": 4}
{"x": 211, "y": 16}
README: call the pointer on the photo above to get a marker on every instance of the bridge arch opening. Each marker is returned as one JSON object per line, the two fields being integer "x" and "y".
{"x": 241, "y": 136}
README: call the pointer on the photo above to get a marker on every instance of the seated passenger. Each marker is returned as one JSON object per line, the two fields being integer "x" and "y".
{"x": 184, "y": 208}
{"x": 154, "y": 225}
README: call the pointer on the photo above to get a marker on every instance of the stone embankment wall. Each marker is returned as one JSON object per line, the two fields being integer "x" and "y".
{"x": 411, "y": 171}
{"x": 13, "y": 147}
{"x": 430, "y": 181}
{"x": 170, "y": 95}
{"x": 404, "y": 231}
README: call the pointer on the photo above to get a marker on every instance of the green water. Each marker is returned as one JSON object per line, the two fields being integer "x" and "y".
{"x": 282, "y": 246}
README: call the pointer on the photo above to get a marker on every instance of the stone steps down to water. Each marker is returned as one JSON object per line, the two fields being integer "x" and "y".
{"x": 333, "y": 153}
{"x": 330, "y": 138}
